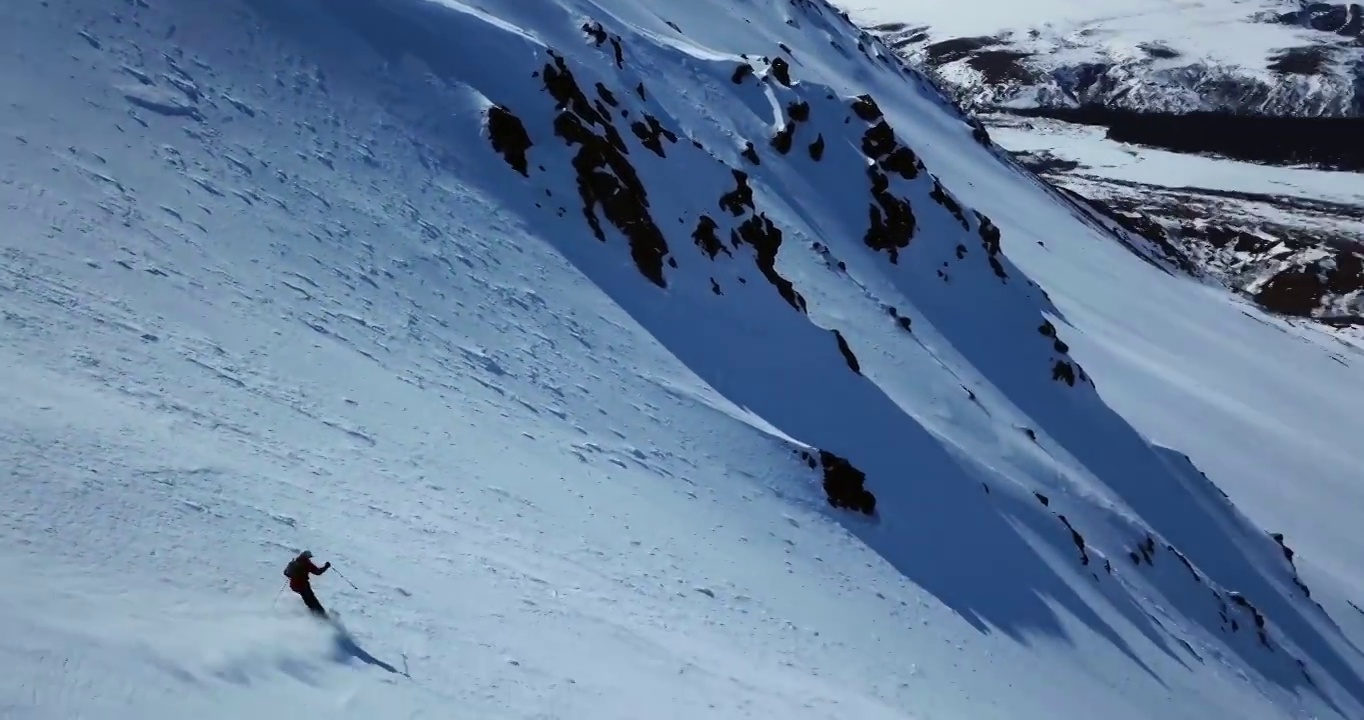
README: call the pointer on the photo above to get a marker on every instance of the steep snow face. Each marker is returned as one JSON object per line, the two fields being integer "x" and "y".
{"x": 1276, "y": 57}
{"x": 627, "y": 358}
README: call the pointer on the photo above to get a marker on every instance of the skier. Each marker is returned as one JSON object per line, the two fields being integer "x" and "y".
{"x": 297, "y": 571}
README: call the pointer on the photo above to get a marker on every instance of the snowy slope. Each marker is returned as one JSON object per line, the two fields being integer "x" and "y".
{"x": 1276, "y": 57}
{"x": 581, "y": 336}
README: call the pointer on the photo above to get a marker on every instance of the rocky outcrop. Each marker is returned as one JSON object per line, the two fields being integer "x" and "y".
{"x": 606, "y": 179}
{"x": 844, "y": 484}
{"x": 508, "y": 137}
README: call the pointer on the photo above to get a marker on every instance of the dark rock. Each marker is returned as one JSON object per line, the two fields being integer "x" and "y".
{"x": 1241, "y": 601}
{"x": 1002, "y": 66}
{"x": 844, "y": 484}
{"x": 879, "y": 144}
{"x": 848, "y": 355}
{"x": 1197, "y": 578}
{"x": 865, "y": 107}
{"x": 606, "y": 95}
{"x": 1077, "y": 538}
{"x": 740, "y": 198}
{"x": 1287, "y": 551}
{"x": 508, "y": 137}
{"x": 1306, "y": 591}
{"x": 1063, "y": 371}
{"x": 1158, "y": 51}
{"x": 707, "y": 239}
{"x": 1294, "y": 292}
{"x": 781, "y": 70}
{"x": 941, "y": 197}
{"x": 782, "y": 140}
{"x": 599, "y": 35}
{"x": 979, "y": 133}
{"x": 947, "y": 51}
{"x": 1305, "y": 60}
{"x": 817, "y": 148}
{"x": 891, "y": 221}
{"x": 989, "y": 238}
{"x": 765, "y": 238}
{"x": 606, "y": 179}
{"x": 1344, "y": 19}
{"x": 651, "y": 133}
{"x": 596, "y": 32}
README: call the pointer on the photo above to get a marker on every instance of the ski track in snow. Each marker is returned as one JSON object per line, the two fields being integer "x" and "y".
{"x": 265, "y": 284}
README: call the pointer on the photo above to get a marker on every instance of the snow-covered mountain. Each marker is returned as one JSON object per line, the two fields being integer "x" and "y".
{"x": 1271, "y": 57}
{"x": 1092, "y": 95}
{"x": 628, "y": 359}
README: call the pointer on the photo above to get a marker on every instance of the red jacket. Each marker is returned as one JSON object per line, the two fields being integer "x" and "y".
{"x": 303, "y": 567}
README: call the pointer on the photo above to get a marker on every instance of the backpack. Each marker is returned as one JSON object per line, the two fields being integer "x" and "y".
{"x": 294, "y": 570}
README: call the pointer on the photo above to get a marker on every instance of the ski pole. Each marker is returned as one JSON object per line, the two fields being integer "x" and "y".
{"x": 343, "y": 577}
{"x": 275, "y": 602}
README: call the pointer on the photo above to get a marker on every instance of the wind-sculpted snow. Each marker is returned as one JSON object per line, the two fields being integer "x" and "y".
{"x": 628, "y": 358}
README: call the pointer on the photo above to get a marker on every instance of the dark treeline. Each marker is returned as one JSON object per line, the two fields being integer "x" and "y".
{"x": 1328, "y": 142}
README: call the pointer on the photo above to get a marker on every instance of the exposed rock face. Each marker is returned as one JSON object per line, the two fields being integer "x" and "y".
{"x": 509, "y": 137}
{"x": 891, "y": 221}
{"x": 848, "y": 355}
{"x": 651, "y": 133}
{"x": 606, "y": 179}
{"x": 781, "y": 70}
{"x": 844, "y": 484}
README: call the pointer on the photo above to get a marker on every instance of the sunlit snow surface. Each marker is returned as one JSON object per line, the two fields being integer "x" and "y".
{"x": 265, "y": 285}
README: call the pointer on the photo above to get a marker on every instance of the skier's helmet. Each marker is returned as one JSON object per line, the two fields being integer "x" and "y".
{"x": 306, "y": 554}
